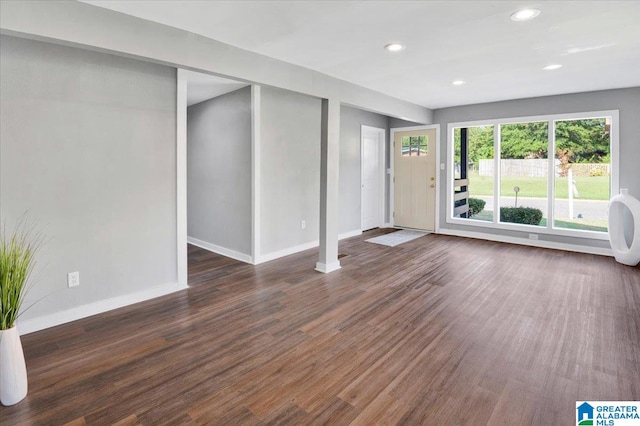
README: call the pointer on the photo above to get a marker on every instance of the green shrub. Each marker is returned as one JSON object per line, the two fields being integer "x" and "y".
{"x": 476, "y": 205}
{"x": 598, "y": 171}
{"x": 526, "y": 215}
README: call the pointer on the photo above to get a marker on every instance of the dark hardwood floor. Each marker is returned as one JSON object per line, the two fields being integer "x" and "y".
{"x": 438, "y": 331}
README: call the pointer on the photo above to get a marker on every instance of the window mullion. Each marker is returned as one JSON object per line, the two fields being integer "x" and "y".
{"x": 551, "y": 181}
{"x": 496, "y": 172}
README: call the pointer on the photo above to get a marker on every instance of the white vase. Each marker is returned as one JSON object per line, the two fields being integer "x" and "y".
{"x": 627, "y": 254}
{"x": 13, "y": 371}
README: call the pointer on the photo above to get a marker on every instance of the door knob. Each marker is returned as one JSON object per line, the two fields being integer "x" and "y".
{"x": 433, "y": 178}
{"x": 433, "y": 185}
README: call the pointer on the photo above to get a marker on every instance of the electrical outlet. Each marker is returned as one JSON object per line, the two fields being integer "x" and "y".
{"x": 303, "y": 224}
{"x": 533, "y": 236}
{"x": 73, "y": 279}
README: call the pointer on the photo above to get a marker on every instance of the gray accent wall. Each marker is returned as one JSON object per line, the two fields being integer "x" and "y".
{"x": 627, "y": 101}
{"x": 289, "y": 169}
{"x": 219, "y": 171}
{"x": 351, "y": 120}
{"x": 88, "y": 148}
{"x": 86, "y": 25}
{"x": 396, "y": 122}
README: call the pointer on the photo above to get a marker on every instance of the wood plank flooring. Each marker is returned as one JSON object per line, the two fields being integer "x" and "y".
{"x": 440, "y": 331}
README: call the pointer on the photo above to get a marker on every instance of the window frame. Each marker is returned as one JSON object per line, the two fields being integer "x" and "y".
{"x": 614, "y": 177}
{"x": 418, "y": 147}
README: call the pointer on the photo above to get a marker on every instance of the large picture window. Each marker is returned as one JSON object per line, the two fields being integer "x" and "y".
{"x": 550, "y": 174}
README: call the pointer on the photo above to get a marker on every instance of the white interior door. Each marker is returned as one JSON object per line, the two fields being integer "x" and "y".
{"x": 415, "y": 179}
{"x": 372, "y": 168}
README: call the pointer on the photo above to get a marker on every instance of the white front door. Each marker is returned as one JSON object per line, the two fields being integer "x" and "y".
{"x": 371, "y": 179}
{"x": 415, "y": 178}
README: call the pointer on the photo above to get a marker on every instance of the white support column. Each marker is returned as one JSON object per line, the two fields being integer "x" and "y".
{"x": 329, "y": 175}
{"x": 255, "y": 174}
{"x": 181, "y": 179}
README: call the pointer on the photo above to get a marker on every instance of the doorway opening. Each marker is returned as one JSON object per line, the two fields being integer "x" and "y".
{"x": 217, "y": 153}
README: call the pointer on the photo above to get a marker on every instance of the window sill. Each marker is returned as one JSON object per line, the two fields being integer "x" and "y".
{"x": 532, "y": 229}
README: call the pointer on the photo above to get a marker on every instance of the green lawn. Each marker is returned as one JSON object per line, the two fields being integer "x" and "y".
{"x": 590, "y": 188}
{"x": 485, "y": 214}
{"x": 584, "y": 225}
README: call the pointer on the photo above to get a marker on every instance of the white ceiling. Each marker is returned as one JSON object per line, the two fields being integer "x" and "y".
{"x": 597, "y": 42}
{"x": 201, "y": 87}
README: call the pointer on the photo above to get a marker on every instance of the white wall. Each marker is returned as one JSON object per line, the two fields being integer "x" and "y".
{"x": 87, "y": 143}
{"x": 289, "y": 169}
{"x": 219, "y": 171}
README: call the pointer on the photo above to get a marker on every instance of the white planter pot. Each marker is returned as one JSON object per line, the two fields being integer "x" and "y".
{"x": 623, "y": 252}
{"x": 13, "y": 371}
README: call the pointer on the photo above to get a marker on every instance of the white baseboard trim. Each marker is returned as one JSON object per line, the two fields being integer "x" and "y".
{"x": 325, "y": 268}
{"x": 84, "y": 311}
{"x": 302, "y": 247}
{"x": 387, "y": 225}
{"x": 350, "y": 234}
{"x": 286, "y": 252}
{"x": 526, "y": 242}
{"x": 220, "y": 250}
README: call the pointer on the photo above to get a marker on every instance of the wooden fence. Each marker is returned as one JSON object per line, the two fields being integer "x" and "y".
{"x": 539, "y": 168}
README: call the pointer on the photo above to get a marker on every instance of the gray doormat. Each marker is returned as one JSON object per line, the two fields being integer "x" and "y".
{"x": 395, "y": 238}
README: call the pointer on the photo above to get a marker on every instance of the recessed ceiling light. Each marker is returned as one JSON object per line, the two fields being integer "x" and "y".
{"x": 458, "y": 82}
{"x": 552, "y": 67}
{"x": 395, "y": 47}
{"x": 525, "y": 14}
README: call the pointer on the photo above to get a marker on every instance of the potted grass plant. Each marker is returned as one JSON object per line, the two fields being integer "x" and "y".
{"x": 17, "y": 252}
